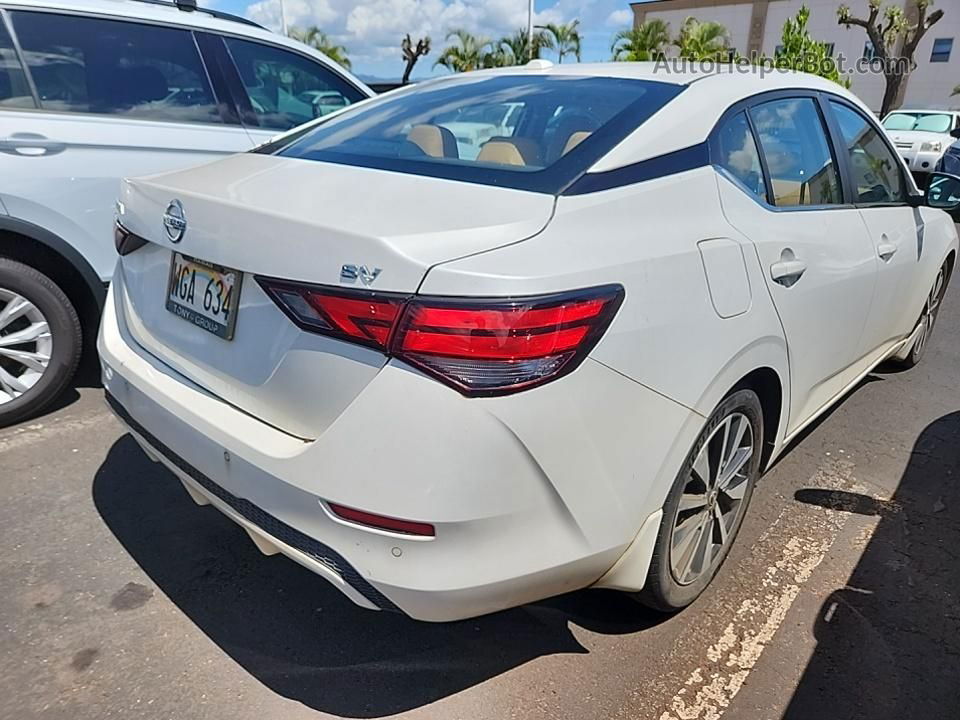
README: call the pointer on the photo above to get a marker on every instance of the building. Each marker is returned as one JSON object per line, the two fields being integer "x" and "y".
{"x": 755, "y": 27}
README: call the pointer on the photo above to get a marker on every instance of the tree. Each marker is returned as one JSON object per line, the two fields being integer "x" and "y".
{"x": 470, "y": 52}
{"x": 885, "y": 26}
{"x": 644, "y": 42}
{"x": 565, "y": 39}
{"x": 316, "y": 38}
{"x": 799, "y": 51}
{"x": 412, "y": 53}
{"x": 516, "y": 50}
{"x": 703, "y": 41}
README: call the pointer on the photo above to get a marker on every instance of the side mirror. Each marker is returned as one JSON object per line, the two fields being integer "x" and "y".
{"x": 943, "y": 191}
{"x": 955, "y": 133}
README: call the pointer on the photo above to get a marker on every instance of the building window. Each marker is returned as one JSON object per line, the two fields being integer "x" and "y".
{"x": 941, "y": 50}
{"x": 869, "y": 52}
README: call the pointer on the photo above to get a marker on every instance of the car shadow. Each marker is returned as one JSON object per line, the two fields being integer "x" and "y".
{"x": 298, "y": 635}
{"x": 888, "y": 643}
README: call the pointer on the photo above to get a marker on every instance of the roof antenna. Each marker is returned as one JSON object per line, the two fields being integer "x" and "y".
{"x": 186, "y": 5}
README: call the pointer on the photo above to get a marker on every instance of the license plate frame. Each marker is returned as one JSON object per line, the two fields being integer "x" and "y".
{"x": 198, "y": 316}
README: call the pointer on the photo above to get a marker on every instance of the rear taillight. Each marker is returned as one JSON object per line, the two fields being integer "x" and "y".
{"x": 361, "y": 317}
{"x": 478, "y": 346}
{"x": 125, "y": 241}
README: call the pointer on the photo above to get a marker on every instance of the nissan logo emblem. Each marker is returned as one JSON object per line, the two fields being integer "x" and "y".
{"x": 174, "y": 221}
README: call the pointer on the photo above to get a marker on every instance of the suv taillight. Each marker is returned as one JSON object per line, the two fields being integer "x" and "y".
{"x": 479, "y": 346}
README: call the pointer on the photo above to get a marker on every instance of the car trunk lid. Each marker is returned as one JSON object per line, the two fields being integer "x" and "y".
{"x": 302, "y": 221}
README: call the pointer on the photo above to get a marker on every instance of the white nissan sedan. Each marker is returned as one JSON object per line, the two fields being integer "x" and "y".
{"x": 453, "y": 385}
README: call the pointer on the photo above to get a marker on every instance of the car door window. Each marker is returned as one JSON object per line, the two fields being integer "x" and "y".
{"x": 14, "y": 89}
{"x": 739, "y": 156}
{"x": 113, "y": 67}
{"x": 287, "y": 89}
{"x": 877, "y": 174}
{"x": 794, "y": 144}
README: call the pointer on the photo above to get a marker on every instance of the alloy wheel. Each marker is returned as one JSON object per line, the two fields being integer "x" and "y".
{"x": 930, "y": 310}
{"x": 26, "y": 345}
{"x": 712, "y": 499}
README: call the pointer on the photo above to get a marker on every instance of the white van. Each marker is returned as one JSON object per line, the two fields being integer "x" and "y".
{"x": 92, "y": 91}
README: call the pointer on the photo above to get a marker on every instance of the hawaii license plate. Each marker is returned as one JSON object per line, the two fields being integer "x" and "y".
{"x": 204, "y": 294}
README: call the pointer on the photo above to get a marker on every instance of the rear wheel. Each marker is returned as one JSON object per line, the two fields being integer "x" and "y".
{"x": 928, "y": 318}
{"x": 40, "y": 341}
{"x": 707, "y": 503}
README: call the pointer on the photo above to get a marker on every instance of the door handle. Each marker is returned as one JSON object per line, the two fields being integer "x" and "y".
{"x": 31, "y": 145}
{"x": 787, "y": 272}
{"x": 886, "y": 250}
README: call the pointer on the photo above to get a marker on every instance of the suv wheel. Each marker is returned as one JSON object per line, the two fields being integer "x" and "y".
{"x": 40, "y": 341}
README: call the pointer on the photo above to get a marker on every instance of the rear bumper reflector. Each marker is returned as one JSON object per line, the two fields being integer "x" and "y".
{"x": 262, "y": 519}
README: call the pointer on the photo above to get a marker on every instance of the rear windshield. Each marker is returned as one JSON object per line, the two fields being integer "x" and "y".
{"x": 527, "y": 132}
{"x": 931, "y": 122}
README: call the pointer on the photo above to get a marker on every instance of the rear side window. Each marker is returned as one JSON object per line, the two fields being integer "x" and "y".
{"x": 739, "y": 156}
{"x": 876, "y": 170}
{"x": 14, "y": 89}
{"x": 794, "y": 144}
{"x": 529, "y": 132}
{"x": 287, "y": 89}
{"x": 112, "y": 67}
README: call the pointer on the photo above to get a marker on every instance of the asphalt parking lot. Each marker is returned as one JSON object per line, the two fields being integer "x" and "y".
{"x": 841, "y": 599}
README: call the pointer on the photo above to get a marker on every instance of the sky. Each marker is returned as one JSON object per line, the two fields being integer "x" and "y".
{"x": 371, "y": 30}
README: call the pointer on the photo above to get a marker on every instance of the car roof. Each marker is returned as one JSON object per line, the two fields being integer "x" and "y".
{"x": 171, "y": 15}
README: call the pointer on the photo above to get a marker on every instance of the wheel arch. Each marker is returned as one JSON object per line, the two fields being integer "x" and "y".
{"x": 50, "y": 254}
{"x": 763, "y": 367}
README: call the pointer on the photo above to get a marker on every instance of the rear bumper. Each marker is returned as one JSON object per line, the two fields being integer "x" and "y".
{"x": 529, "y": 499}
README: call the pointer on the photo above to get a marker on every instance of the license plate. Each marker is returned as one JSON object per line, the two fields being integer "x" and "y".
{"x": 204, "y": 294}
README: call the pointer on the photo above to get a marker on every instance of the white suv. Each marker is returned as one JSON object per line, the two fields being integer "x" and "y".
{"x": 92, "y": 91}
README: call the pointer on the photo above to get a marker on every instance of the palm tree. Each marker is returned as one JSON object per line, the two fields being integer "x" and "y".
{"x": 471, "y": 52}
{"x": 412, "y": 53}
{"x": 644, "y": 42}
{"x": 316, "y": 38}
{"x": 566, "y": 39}
{"x": 703, "y": 41}
{"x": 515, "y": 50}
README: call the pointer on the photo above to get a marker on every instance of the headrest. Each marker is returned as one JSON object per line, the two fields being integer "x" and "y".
{"x": 434, "y": 141}
{"x": 509, "y": 151}
{"x": 575, "y": 139}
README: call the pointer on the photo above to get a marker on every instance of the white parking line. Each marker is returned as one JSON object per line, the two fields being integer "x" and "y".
{"x": 710, "y": 688}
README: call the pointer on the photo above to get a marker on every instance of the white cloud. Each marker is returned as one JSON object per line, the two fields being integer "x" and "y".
{"x": 372, "y": 29}
{"x": 620, "y": 17}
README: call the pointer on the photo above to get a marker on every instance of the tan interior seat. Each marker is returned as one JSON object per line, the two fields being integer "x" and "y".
{"x": 574, "y": 140}
{"x": 434, "y": 141}
{"x": 510, "y": 151}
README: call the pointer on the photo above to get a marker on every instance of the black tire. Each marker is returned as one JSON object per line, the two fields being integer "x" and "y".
{"x": 663, "y": 591}
{"x": 928, "y": 318}
{"x": 66, "y": 334}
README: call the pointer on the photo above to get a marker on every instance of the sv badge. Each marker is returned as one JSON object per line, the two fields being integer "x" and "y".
{"x": 352, "y": 273}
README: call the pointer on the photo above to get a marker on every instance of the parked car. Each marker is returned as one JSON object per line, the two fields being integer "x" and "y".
{"x": 95, "y": 90}
{"x": 921, "y": 137}
{"x": 950, "y": 162}
{"x": 478, "y": 383}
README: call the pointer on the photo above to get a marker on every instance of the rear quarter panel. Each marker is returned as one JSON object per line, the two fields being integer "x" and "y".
{"x": 668, "y": 336}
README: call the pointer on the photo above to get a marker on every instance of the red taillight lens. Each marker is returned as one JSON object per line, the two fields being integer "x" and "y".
{"x": 488, "y": 347}
{"x": 362, "y": 317}
{"x": 478, "y": 346}
{"x": 382, "y": 522}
